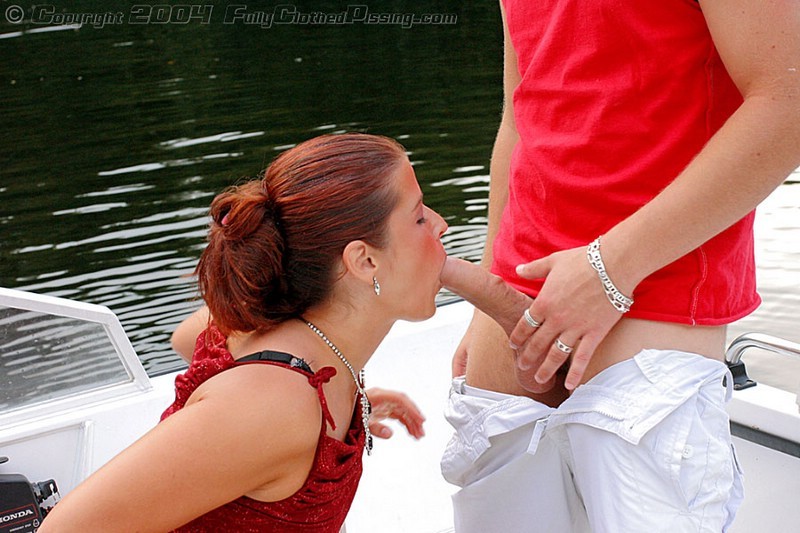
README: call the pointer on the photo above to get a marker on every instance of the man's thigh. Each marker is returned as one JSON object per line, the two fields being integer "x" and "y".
{"x": 682, "y": 476}
{"x": 512, "y": 479}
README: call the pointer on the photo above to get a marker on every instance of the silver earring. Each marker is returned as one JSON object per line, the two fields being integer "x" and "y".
{"x": 376, "y": 286}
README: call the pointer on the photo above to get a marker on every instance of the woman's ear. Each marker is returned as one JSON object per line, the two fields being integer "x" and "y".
{"x": 359, "y": 260}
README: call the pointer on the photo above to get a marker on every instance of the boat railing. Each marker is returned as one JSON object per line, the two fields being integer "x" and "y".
{"x": 763, "y": 341}
{"x": 767, "y": 418}
{"x": 770, "y": 343}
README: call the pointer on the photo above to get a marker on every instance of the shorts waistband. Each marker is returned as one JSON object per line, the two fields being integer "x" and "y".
{"x": 632, "y": 396}
{"x": 460, "y": 386}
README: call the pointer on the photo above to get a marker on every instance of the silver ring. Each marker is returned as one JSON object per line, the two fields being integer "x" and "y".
{"x": 530, "y": 320}
{"x": 563, "y": 347}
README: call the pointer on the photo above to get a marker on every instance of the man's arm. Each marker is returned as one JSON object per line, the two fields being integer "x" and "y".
{"x": 499, "y": 166}
{"x": 753, "y": 153}
{"x": 504, "y": 144}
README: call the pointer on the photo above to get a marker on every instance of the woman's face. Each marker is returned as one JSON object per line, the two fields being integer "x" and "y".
{"x": 414, "y": 255}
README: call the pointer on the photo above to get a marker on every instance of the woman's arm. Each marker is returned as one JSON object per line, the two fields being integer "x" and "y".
{"x": 185, "y": 335}
{"x": 226, "y": 443}
{"x": 756, "y": 149}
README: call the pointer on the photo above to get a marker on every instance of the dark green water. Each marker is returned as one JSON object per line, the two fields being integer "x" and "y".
{"x": 115, "y": 139}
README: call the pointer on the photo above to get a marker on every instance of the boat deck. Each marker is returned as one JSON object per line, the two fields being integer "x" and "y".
{"x": 402, "y": 490}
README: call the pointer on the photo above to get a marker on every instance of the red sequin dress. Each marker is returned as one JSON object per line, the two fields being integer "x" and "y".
{"x": 321, "y": 504}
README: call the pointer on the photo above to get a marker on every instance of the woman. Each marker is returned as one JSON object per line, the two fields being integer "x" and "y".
{"x": 305, "y": 272}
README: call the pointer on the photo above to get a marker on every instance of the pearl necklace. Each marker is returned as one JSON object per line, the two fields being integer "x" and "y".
{"x": 358, "y": 379}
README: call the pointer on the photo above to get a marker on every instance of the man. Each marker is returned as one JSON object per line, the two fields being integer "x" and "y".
{"x": 658, "y": 126}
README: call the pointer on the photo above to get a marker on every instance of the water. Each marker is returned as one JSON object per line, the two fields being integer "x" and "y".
{"x": 116, "y": 138}
{"x": 778, "y": 273}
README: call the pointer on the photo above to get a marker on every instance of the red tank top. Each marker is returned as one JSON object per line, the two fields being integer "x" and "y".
{"x": 322, "y": 503}
{"x": 616, "y": 98}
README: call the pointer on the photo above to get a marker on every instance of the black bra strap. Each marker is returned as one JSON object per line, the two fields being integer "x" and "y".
{"x": 278, "y": 357}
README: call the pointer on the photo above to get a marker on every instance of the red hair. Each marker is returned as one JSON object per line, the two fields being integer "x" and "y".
{"x": 274, "y": 243}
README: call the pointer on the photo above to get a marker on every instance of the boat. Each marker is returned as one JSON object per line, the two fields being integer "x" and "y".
{"x": 73, "y": 394}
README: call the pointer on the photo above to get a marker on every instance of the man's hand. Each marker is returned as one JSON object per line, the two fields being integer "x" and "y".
{"x": 573, "y": 315}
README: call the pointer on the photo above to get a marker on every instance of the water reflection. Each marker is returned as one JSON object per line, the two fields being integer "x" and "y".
{"x": 115, "y": 140}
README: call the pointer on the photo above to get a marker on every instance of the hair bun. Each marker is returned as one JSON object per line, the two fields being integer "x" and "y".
{"x": 275, "y": 243}
{"x": 241, "y": 211}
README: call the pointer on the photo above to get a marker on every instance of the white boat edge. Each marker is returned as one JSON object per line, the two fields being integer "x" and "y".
{"x": 402, "y": 490}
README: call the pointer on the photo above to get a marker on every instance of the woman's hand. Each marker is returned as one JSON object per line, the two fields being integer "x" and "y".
{"x": 572, "y": 308}
{"x": 390, "y": 404}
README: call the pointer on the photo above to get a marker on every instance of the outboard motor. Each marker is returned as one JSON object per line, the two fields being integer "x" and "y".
{"x": 23, "y": 505}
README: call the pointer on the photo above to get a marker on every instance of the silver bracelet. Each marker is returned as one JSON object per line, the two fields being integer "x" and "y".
{"x": 620, "y": 302}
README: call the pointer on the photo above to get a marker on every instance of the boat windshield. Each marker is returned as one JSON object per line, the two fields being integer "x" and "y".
{"x": 43, "y": 357}
{"x": 56, "y": 350}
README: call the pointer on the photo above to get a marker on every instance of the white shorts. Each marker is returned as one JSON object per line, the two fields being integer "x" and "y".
{"x": 511, "y": 476}
{"x": 644, "y": 446}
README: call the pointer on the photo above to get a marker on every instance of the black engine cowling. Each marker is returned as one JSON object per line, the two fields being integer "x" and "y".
{"x": 22, "y": 506}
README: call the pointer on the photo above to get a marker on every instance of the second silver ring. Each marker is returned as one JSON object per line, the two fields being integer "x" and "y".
{"x": 563, "y": 347}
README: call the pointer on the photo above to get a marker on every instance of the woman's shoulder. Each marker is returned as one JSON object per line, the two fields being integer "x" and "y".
{"x": 258, "y": 383}
{"x": 265, "y": 403}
